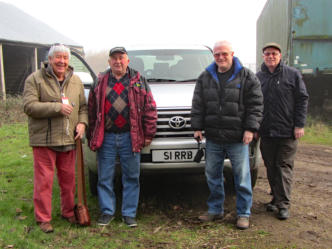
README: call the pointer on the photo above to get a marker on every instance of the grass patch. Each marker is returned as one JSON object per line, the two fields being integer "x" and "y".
{"x": 158, "y": 227}
{"x": 317, "y": 132}
{"x": 11, "y": 110}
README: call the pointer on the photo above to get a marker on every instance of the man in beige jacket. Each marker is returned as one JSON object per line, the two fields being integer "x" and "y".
{"x": 55, "y": 104}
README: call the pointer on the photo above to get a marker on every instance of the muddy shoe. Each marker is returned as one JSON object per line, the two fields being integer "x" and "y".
{"x": 46, "y": 227}
{"x": 206, "y": 217}
{"x": 242, "y": 223}
{"x": 271, "y": 207}
{"x": 283, "y": 214}
{"x": 71, "y": 219}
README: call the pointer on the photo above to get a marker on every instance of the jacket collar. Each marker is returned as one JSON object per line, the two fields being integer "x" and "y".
{"x": 212, "y": 69}
{"x": 279, "y": 68}
{"x": 50, "y": 73}
{"x": 132, "y": 73}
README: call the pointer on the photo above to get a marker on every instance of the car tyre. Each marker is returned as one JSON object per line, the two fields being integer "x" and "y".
{"x": 229, "y": 180}
{"x": 93, "y": 180}
{"x": 254, "y": 176}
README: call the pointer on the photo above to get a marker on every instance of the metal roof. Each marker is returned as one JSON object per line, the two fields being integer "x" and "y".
{"x": 18, "y": 26}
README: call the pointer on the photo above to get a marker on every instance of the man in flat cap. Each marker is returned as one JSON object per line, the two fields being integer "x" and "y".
{"x": 285, "y": 109}
{"x": 122, "y": 120}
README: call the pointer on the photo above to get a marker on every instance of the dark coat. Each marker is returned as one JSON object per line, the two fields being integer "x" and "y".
{"x": 225, "y": 119}
{"x": 142, "y": 111}
{"x": 285, "y": 101}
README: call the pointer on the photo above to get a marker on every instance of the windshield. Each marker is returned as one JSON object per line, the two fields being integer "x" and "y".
{"x": 170, "y": 64}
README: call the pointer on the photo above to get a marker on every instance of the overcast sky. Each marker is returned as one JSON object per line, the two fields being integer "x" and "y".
{"x": 102, "y": 24}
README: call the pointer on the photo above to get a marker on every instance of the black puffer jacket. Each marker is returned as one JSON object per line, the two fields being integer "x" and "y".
{"x": 285, "y": 101}
{"x": 225, "y": 120}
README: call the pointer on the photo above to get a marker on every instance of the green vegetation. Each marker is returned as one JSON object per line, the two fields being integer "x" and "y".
{"x": 156, "y": 229}
{"x": 317, "y": 132}
{"x": 11, "y": 110}
{"x": 159, "y": 227}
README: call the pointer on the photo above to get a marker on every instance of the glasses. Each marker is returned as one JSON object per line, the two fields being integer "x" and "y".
{"x": 267, "y": 54}
{"x": 223, "y": 54}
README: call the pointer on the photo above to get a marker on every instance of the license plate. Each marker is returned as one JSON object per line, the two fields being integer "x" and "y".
{"x": 174, "y": 155}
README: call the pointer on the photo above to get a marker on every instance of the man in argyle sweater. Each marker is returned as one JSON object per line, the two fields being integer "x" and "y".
{"x": 122, "y": 120}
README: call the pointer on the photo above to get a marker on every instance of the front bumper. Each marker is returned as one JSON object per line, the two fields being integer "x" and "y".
{"x": 172, "y": 144}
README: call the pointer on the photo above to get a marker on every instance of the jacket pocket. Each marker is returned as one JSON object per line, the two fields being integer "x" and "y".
{"x": 139, "y": 98}
{"x": 37, "y": 126}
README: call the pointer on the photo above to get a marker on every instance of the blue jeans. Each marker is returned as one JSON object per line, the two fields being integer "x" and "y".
{"x": 239, "y": 157}
{"x": 113, "y": 144}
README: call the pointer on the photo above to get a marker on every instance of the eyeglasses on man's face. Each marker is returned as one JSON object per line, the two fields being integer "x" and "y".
{"x": 223, "y": 54}
{"x": 267, "y": 54}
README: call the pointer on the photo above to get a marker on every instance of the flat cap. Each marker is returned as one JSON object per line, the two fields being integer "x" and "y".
{"x": 272, "y": 45}
{"x": 118, "y": 50}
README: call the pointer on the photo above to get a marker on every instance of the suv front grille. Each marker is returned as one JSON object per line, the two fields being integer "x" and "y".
{"x": 174, "y": 123}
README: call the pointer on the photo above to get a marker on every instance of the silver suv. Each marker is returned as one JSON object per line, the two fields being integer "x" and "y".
{"x": 171, "y": 73}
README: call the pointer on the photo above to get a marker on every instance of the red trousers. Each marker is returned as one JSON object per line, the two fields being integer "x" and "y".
{"x": 45, "y": 161}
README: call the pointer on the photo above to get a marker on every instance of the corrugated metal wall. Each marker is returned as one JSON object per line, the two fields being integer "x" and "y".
{"x": 312, "y": 36}
{"x": 272, "y": 26}
{"x": 303, "y": 28}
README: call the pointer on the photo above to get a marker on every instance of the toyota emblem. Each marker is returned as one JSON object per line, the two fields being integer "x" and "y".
{"x": 177, "y": 122}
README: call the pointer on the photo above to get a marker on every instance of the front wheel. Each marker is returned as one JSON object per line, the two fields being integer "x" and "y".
{"x": 254, "y": 175}
{"x": 93, "y": 181}
{"x": 229, "y": 178}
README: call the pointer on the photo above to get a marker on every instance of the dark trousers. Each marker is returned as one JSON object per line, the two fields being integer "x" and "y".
{"x": 278, "y": 155}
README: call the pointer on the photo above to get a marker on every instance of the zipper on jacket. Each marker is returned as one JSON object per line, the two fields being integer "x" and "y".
{"x": 66, "y": 117}
{"x": 49, "y": 130}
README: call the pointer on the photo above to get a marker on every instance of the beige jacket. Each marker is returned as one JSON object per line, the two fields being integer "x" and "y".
{"x": 42, "y": 103}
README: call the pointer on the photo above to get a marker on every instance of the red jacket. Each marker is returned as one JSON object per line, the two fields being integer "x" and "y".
{"x": 142, "y": 111}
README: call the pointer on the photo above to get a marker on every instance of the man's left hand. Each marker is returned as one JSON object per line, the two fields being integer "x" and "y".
{"x": 247, "y": 137}
{"x": 298, "y": 132}
{"x": 80, "y": 129}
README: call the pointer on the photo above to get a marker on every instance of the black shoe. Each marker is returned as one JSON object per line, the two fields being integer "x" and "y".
{"x": 283, "y": 214}
{"x": 271, "y": 207}
{"x": 105, "y": 219}
{"x": 129, "y": 221}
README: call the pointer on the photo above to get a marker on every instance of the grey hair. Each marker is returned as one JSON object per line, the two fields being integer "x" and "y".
{"x": 223, "y": 43}
{"x": 58, "y": 48}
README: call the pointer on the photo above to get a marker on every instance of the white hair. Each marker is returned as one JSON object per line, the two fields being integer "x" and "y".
{"x": 223, "y": 43}
{"x": 58, "y": 48}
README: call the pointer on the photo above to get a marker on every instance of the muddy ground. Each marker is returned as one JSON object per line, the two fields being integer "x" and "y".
{"x": 310, "y": 225}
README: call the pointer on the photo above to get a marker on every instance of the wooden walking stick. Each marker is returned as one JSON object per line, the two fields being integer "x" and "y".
{"x": 81, "y": 208}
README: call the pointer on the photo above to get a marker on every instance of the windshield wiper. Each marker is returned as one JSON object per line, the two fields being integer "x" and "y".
{"x": 160, "y": 80}
{"x": 187, "y": 80}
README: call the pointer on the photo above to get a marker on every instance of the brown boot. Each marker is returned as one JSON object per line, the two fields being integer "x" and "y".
{"x": 46, "y": 227}
{"x": 242, "y": 223}
{"x": 207, "y": 217}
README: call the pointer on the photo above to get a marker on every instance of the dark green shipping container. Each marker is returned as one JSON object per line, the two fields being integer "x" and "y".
{"x": 303, "y": 28}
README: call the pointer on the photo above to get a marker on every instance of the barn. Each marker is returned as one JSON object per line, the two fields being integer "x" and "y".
{"x": 24, "y": 42}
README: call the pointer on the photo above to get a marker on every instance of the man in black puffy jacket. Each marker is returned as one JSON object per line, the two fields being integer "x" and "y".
{"x": 285, "y": 109}
{"x": 228, "y": 106}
